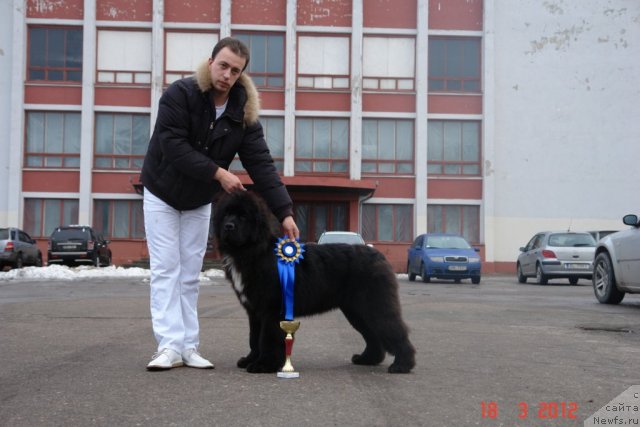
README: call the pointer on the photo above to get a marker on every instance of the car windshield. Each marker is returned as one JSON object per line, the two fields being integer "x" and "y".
{"x": 70, "y": 234}
{"x": 571, "y": 240}
{"x": 446, "y": 242}
{"x": 352, "y": 239}
{"x": 4, "y": 234}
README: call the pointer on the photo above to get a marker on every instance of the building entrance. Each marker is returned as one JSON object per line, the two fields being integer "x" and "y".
{"x": 314, "y": 218}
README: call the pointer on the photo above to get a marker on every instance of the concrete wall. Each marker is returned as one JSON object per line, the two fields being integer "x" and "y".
{"x": 6, "y": 40}
{"x": 567, "y": 118}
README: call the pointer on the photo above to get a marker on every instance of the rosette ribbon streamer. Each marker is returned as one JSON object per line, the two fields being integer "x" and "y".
{"x": 289, "y": 253}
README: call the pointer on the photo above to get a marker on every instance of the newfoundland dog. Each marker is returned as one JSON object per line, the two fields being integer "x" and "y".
{"x": 357, "y": 279}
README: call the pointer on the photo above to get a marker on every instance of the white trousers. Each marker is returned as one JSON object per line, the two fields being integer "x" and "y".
{"x": 177, "y": 241}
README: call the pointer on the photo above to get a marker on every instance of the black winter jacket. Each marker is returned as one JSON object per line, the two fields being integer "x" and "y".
{"x": 188, "y": 145}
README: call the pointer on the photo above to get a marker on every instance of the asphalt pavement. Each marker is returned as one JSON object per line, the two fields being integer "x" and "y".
{"x": 496, "y": 354}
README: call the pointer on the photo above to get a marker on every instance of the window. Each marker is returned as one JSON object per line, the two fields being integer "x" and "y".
{"x": 53, "y": 140}
{"x": 314, "y": 218}
{"x": 388, "y": 63}
{"x": 453, "y": 148}
{"x": 55, "y": 54}
{"x": 387, "y": 223}
{"x": 42, "y": 216}
{"x": 323, "y": 62}
{"x": 124, "y": 57}
{"x": 458, "y": 219}
{"x": 121, "y": 141}
{"x": 185, "y": 52}
{"x": 273, "y": 128}
{"x": 266, "y": 63}
{"x": 387, "y": 146}
{"x": 322, "y": 146}
{"x": 454, "y": 65}
{"x": 119, "y": 219}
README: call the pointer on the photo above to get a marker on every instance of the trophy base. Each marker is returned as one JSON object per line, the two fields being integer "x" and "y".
{"x": 288, "y": 374}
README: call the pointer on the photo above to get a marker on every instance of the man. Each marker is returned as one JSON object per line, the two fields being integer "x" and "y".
{"x": 203, "y": 122}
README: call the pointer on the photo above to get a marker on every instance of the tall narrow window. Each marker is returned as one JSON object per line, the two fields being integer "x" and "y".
{"x": 55, "y": 54}
{"x": 121, "y": 141}
{"x": 53, "y": 140}
{"x": 453, "y": 148}
{"x": 266, "y": 64}
{"x": 322, "y": 146}
{"x": 120, "y": 219}
{"x": 42, "y": 216}
{"x": 387, "y": 146}
{"x": 454, "y": 64}
{"x": 457, "y": 219}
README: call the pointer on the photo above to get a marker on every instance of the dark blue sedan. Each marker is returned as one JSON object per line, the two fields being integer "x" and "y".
{"x": 443, "y": 256}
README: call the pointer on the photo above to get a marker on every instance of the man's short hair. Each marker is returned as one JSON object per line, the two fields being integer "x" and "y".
{"x": 235, "y": 45}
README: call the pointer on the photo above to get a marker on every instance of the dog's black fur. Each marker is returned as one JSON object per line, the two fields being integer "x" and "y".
{"x": 357, "y": 279}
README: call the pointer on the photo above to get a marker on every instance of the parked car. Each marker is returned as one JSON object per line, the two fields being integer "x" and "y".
{"x": 78, "y": 244}
{"x": 599, "y": 234}
{"x": 443, "y": 256}
{"x": 18, "y": 249}
{"x": 616, "y": 268}
{"x": 348, "y": 237}
{"x": 557, "y": 255}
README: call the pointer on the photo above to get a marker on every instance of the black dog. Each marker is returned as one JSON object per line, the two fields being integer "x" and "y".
{"x": 357, "y": 279}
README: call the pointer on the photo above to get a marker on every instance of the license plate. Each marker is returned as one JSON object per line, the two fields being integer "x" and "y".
{"x": 575, "y": 266}
{"x": 457, "y": 268}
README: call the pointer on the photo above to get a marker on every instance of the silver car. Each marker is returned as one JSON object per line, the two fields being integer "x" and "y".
{"x": 617, "y": 264}
{"x": 18, "y": 249}
{"x": 348, "y": 237}
{"x": 557, "y": 255}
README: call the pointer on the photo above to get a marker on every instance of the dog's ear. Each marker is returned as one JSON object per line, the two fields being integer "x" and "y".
{"x": 265, "y": 223}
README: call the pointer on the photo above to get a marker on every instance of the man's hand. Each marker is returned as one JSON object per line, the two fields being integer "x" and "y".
{"x": 228, "y": 180}
{"x": 290, "y": 228}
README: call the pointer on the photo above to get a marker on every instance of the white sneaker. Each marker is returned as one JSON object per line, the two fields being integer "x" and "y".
{"x": 165, "y": 359}
{"x": 192, "y": 358}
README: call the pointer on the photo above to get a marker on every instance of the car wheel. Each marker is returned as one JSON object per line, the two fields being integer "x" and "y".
{"x": 604, "y": 281}
{"x": 19, "y": 261}
{"x": 423, "y": 274}
{"x": 541, "y": 278}
{"x": 412, "y": 276}
{"x": 521, "y": 277}
{"x": 475, "y": 280}
{"x": 573, "y": 280}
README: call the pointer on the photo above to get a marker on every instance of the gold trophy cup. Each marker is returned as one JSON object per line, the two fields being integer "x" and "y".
{"x": 289, "y": 327}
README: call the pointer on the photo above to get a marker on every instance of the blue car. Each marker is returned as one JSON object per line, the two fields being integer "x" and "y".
{"x": 443, "y": 256}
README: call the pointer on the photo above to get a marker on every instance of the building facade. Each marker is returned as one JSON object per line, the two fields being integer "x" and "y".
{"x": 489, "y": 119}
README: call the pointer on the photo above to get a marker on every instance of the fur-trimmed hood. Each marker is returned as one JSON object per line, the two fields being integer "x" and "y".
{"x": 251, "y": 107}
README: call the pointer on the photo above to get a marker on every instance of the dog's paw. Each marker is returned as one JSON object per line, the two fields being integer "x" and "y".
{"x": 261, "y": 367}
{"x": 367, "y": 359}
{"x": 397, "y": 368}
{"x": 243, "y": 362}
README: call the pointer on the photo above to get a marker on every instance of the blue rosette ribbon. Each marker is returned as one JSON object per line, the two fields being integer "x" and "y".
{"x": 289, "y": 252}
